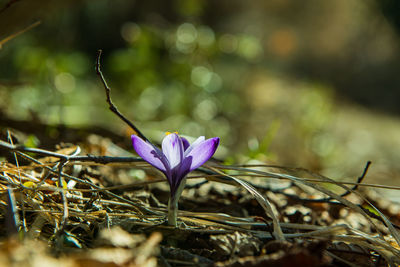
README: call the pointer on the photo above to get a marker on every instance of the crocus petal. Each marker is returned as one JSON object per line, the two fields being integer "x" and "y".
{"x": 194, "y": 144}
{"x": 183, "y": 169}
{"x": 150, "y": 154}
{"x": 172, "y": 148}
{"x": 185, "y": 143}
{"x": 202, "y": 152}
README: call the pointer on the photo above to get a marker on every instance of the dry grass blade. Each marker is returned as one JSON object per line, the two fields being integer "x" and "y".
{"x": 392, "y": 230}
{"x": 314, "y": 186}
{"x": 11, "y": 216}
{"x": 388, "y": 223}
{"x": 263, "y": 202}
{"x": 379, "y": 242}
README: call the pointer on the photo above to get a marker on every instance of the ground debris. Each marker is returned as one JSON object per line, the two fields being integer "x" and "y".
{"x": 284, "y": 254}
{"x": 237, "y": 243}
{"x": 182, "y": 256}
{"x": 113, "y": 214}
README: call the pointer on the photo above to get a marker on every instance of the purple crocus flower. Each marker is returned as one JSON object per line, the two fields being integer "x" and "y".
{"x": 177, "y": 158}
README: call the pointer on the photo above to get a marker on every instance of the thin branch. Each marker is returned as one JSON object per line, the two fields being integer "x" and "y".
{"x": 321, "y": 200}
{"x": 88, "y": 158}
{"x": 112, "y": 107}
{"x": 359, "y": 180}
{"x": 12, "y": 36}
{"x": 350, "y": 190}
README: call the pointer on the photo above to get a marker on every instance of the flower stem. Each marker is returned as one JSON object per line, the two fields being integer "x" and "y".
{"x": 173, "y": 204}
{"x": 172, "y": 211}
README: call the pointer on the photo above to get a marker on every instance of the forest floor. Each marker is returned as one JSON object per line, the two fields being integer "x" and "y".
{"x": 111, "y": 211}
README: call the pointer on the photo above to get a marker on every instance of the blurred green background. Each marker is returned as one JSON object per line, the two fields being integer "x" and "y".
{"x": 309, "y": 83}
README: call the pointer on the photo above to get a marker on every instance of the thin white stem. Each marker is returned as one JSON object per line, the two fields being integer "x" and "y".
{"x": 173, "y": 204}
{"x": 172, "y": 211}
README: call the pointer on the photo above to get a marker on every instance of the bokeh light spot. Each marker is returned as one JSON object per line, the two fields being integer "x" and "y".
{"x": 186, "y": 33}
{"x": 201, "y": 76}
{"x": 206, "y": 110}
{"x": 64, "y": 82}
{"x": 250, "y": 47}
{"x": 130, "y": 32}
